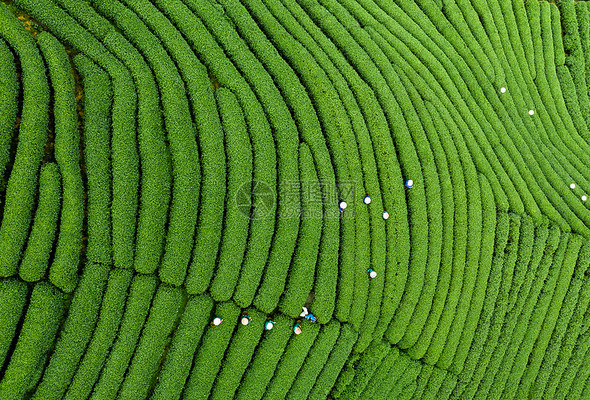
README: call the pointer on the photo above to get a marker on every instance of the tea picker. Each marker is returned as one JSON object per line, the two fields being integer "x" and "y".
{"x": 245, "y": 320}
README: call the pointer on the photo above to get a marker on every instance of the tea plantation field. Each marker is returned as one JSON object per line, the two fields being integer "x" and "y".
{"x": 180, "y": 179}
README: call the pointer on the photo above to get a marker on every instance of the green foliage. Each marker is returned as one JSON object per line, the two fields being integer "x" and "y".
{"x": 98, "y": 99}
{"x": 315, "y": 360}
{"x": 210, "y": 353}
{"x": 334, "y": 364}
{"x": 181, "y": 136}
{"x": 9, "y": 86}
{"x": 239, "y": 162}
{"x": 152, "y": 345}
{"x": 36, "y": 257}
{"x": 138, "y": 304}
{"x": 238, "y": 356}
{"x": 34, "y": 341}
{"x": 264, "y": 362}
{"x": 20, "y": 192}
{"x": 109, "y": 320}
{"x": 13, "y": 296}
{"x": 292, "y": 361}
{"x": 178, "y": 361}
{"x": 365, "y": 368}
{"x": 75, "y": 333}
{"x": 63, "y": 272}
{"x": 302, "y": 269}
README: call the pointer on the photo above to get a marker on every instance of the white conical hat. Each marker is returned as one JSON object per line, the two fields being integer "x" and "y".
{"x": 343, "y": 205}
{"x": 367, "y": 199}
{"x": 216, "y": 321}
{"x": 373, "y": 274}
{"x": 385, "y": 215}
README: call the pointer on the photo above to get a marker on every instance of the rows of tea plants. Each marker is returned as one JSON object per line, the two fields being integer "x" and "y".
{"x": 275, "y": 199}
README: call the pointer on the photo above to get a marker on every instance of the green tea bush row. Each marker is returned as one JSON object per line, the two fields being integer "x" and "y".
{"x": 63, "y": 272}
{"x": 567, "y": 252}
{"x": 303, "y": 29}
{"x": 40, "y": 243}
{"x": 551, "y": 22}
{"x": 179, "y": 358}
{"x": 125, "y": 158}
{"x": 434, "y": 383}
{"x": 309, "y": 120}
{"x": 302, "y": 269}
{"x": 402, "y": 389}
{"x": 557, "y": 307}
{"x": 568, "y": 384}
{"x": 382, "y": 79}
{"x": 264, "y": 156}
{"x": 20, "y": 192}
{"x": 210, "y": 352}
{"x": 335, "y": 122}
{"x": 498, "y": 286}
{"x": 430, "y": 53}
{"x": 494, "y": 98}
{"x": 434, "y": 210}
{"x": 141, "y": 294}
{"x": 13, "y": 297}
{"x": 572, "y": 335}
{"x": 382, "y": 374}
{"x": 239, "y": 162}
{"x": 75, "y": 333}
{"x": 338, "y": 356}
{"x": 504, "y": 351}
{"x": 153, "y": 152}
{"x": 238, "y": 356}
{"x": 35, "y": 340}
{"x": 210, "y": 140}
{"x": 265, "y": 360}
{"x": 98, "y": 99}
{"x": 571, "y": 152}
{"x": 261, "y": 74}
{"x": 540, "y": 262}
{"x": 325, "y": 287}
{"x": 291, "y": 362}
{"x": 181, "y": 136}
{"x": 363, "y": 371}
{"x": 9, "y": 85}
{"x": 109, "y": 320}
{"x": 556, "y": 195}
{"x": 578, "y": 386}
{"x": 572, "y": 146}
{"x": 518, "y": 292}
{"x": 422, "y": 380}
{"x": 472, "y": 20}
{"x": 562, "y": 323}
{"x": 452, "y": 189}
{"x": 503, "y": 249}
{"x": 254, "y": 72}
{"x": 487, "y": 236}
{"x": 152, "y": 345}
{"x": 124, "y": 154}
{"x": 361, "y": 130}
{"x": 315, "y": 361}
{"x": 583, "y": 17}
{"x": 574, "y": 55}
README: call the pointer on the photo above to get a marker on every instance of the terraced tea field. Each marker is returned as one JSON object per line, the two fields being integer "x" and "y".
{"x": 181, "y": 179}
